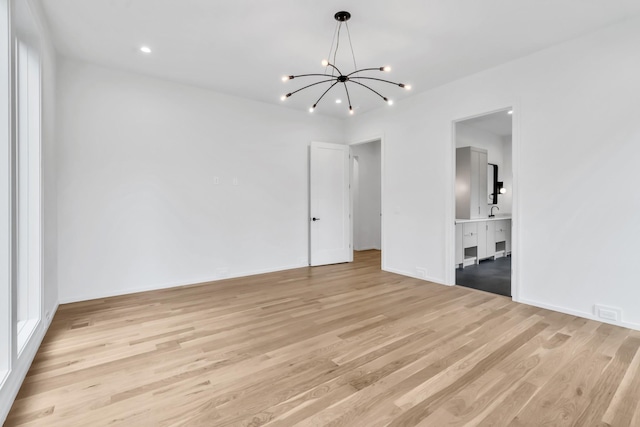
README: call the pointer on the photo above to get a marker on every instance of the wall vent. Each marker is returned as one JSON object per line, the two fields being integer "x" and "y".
{"x": 611, "y": 314}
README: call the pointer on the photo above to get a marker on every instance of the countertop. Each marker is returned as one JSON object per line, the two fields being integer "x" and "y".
{"x": 495, "y": 218}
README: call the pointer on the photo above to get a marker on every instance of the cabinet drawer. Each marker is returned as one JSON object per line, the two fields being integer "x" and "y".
{"x": 469, "y": 234}
{"x": 501, "y": 230}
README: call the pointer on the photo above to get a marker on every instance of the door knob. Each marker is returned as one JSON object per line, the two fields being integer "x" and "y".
{"x": 315, "y": 219}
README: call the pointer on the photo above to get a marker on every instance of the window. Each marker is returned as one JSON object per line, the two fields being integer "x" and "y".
{"x": 27, "y": 191}
{"x": 20, "y": 183}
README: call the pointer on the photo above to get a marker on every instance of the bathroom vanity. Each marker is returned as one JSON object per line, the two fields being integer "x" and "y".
{"x": 482, "y": 238}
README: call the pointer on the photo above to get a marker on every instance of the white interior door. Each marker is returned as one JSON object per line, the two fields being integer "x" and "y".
{"x": 329, "y": 222}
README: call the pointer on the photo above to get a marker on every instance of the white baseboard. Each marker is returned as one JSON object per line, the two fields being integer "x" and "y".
{"x": 53, "y": 313}
{"x": 436, "y": 280}
{"x": 367, "y": 248}
{"x": 584, "y": 314}
{"x": 11, "y": 386}
{"x": 99, "y": 295}
{"x": 565, "y": 310}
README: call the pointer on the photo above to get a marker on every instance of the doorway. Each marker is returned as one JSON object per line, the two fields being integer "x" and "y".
{"x": 483, "y": 202}
{"x": 366, "y": 198}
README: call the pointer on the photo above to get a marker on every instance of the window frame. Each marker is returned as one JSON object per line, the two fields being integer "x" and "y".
{"x": 28, "y": 188}
{"x": 7, "y": 339}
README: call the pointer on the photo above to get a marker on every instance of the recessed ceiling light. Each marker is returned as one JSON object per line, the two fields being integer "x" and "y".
{"x": 145, "y": 49}
{"x": 510, "y": 112}
{"x": 338, "y": 101}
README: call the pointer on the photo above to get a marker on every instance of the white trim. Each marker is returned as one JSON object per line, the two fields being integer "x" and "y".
{"x": 4, "y": 374}
{"x": 515, "y": 199}
{"x": 450, "y": 247}
{"x": 26, "y": 329}
{"x": 156, "y": 287}
{"x": 584, "y": 314}
{"x": 367, "y": 248}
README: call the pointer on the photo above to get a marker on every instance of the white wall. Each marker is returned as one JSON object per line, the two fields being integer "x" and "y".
{"x": 576, "y": 146}
{"x": 139, "y": 207}
{"x": 366, "y": 197}
{"x": 470, "y": 136}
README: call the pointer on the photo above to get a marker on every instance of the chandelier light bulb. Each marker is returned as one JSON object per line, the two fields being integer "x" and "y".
{"x": 285, "y": 78}
{"x": 407, "y": 87}
{"x": 283, "y": 97}
{"x": 386, "y": 68}
{"x": 325, "y": 62}
{"x": 351, "y": 110}
{"x": 311, "y": 109}
{"x": 390, "y": 101}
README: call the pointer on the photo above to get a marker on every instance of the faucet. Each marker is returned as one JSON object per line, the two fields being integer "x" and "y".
{"x": 491, "y": 215}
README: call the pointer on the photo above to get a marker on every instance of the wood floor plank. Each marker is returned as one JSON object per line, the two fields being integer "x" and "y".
{"x": 626, "y": 401}
{"x": 341, "y": 345}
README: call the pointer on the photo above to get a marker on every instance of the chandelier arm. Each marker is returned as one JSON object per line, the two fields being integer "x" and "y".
{"x": 312, "y": 84}
{"x": 307, "y": 75}
{"x": 365, "y": 69}
{"x": 348, "y": 97}
{"x": 358, "y": 83}
{"x": 325, "y": 92}
{"x": 334, "y": 67}
{"x": 374, "y": 78}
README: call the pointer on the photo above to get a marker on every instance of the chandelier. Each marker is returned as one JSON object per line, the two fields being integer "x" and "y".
{"x": 336, "y": 76}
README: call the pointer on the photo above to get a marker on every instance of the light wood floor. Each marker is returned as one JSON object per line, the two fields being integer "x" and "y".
{"x": 342, "y": 345}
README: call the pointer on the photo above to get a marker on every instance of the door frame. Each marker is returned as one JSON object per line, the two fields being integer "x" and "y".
{"x": 515, "y": 199}
{"x": 382, "y": 186}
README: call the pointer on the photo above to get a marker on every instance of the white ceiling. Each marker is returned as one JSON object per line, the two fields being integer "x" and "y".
{"x": 244, "y": 47}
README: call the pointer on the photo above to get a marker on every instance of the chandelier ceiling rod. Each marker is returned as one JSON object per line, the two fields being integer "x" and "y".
{"x": 342, "y": 17}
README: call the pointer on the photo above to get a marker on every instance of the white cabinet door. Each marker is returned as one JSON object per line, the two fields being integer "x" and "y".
{"x": 471, "y": 183}
{"x": 482, "y": 240}
{"x": 478, "y": 183}
{"x": 501, "y": 230}
{"x": 469, "y": 234}
{"x": 491, "y": 238}
{"x": 459, "y": 249}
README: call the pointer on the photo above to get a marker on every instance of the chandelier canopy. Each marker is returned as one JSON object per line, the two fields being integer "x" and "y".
{"x": 336, "y": 76}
